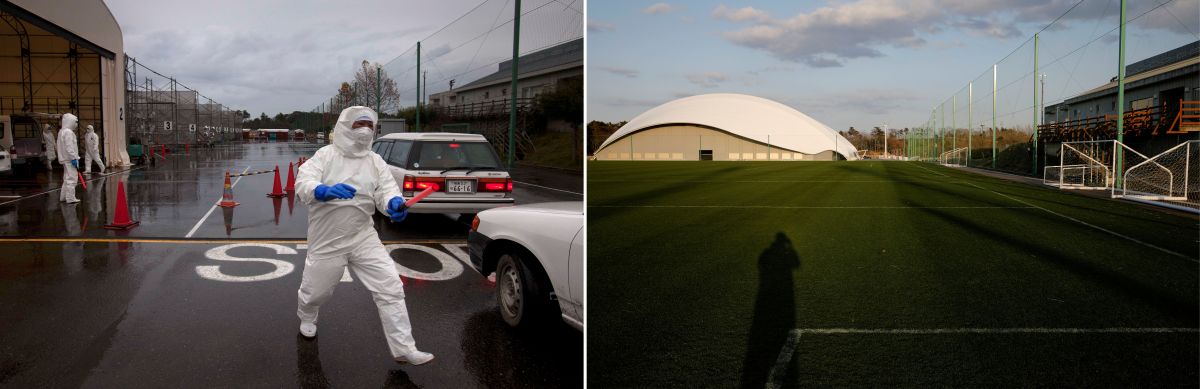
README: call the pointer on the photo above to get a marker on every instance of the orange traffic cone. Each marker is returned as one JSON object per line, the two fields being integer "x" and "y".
{"x": 291, "y": 183}
{"x": 277, "y": 190}
{"x": 227, "y": 197}
{"x": 121, "y": 219}
{"x": 82, "y": 183}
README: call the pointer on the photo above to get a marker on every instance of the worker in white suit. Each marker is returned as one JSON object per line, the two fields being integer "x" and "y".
{"x": 50, "y": 151}
{"x": 91, "y": 142}
{"x": 68, "y": 156}
{"x": 343, "y": 184}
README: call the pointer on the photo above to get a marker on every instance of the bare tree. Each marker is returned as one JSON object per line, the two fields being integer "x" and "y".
{"x": 372, "y": 86}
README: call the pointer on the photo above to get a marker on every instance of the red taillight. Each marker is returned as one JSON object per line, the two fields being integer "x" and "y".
{"x": 495, "y": 184}
{"x": 475, "y": 223}
{"x": 454, "y": 145}
{"x": 420, "y": 183}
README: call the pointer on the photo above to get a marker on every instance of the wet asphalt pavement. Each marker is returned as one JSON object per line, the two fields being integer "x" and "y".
{"x": 198, "y": 296}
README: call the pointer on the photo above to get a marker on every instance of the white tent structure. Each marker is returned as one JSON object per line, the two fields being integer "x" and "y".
{"x": 723, "y": 127}
{"x": 65, "y": 56}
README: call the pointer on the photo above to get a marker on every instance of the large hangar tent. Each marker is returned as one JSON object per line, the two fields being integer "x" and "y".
{"x": 725, "y": 127}
{"x": 65, "y": 56}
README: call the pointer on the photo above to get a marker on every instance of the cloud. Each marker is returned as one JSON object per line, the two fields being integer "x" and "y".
{"x": 598, "y": 26}
{"x": 846, "y": 30}
{"x": 872, "y": 101}
{"x": 620, "y": 71}
{"x": 741, "y": 14}
{"x": 707, "y": 79}
{"x": 660, "y": 8}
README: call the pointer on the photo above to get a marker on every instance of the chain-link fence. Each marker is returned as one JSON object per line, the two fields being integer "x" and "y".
{"x": 1061, "y": 85}
{"x": 460, "y": 77}
{"x": 161, "y": 110}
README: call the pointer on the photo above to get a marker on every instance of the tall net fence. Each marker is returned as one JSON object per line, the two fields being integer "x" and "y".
{"x": 1061, "y": 86}
{"x": 161, "y": 110}
{"x": 460, "y": 75}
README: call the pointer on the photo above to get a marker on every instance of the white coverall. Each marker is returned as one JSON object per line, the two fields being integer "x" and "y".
{"x": 341, "y": 232}
{"x": 68, "y": 150}
{"x": 91, "y": 142}
{"x": 51, "y": 153}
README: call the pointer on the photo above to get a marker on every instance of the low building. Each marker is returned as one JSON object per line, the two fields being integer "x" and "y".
{"x": 538, "y": 72}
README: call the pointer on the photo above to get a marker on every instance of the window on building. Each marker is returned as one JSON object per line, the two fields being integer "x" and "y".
{"x": 485, "y": 94}
{"x": 504, "y": 92}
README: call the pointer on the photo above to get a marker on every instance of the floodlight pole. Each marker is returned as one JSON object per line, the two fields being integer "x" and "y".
{"x": 1120, "y": 103}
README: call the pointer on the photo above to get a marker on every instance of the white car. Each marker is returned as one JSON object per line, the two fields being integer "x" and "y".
{"x": 536, "y": 251}
{"x": 463, "y": 169}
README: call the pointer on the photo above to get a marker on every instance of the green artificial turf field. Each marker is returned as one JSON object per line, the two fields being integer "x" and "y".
{"x": 880, "y": 274}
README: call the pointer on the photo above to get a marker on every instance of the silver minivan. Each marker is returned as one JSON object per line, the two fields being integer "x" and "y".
{"x": 463, "y": 169}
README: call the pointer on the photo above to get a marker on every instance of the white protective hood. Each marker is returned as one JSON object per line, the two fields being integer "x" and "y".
{"x": 341, "y": 129}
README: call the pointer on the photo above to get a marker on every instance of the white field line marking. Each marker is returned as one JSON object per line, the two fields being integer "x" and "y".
{"x": 9, "y": 197}
{"x": 214, "y": 206}
{"x": 785, "y": 357}
{"x": 798, "y": 207}
{"x": 918, "y": 164}
{"x": 546, "y": 187}
{"x": 1114, "y": 233}
{"x": 786, "y": 181}
{"x": 1025, "y": 330}
{"x": 789, "y": 346}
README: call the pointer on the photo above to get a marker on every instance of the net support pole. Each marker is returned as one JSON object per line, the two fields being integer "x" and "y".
{"x": 994, "y": 115}
{"x": 1036, "y": 112}
{"x": 970, "y": 111}
{"x": 954, "y": 122}
{"x": 1120, "y": 152}
{"x": 512, "y": 113}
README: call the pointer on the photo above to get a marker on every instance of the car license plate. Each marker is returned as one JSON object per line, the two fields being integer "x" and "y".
{"x": 460, "y": 186}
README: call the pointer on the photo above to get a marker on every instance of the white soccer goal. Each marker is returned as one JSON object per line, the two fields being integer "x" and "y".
{"x": 956, "y": 157}
{"x": 1169, "y": 176}
{"x": 1083, "y": 165}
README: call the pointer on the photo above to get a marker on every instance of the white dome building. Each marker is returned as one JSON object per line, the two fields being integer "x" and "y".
{"x": 725, "y": 127}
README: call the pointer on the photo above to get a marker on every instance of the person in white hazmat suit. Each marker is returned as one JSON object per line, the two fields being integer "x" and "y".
{"x": 51, "y": 151}
{"x": 68, "y": 156}
{"x": 91, "y": 142}
{"x": 343, "y": 184}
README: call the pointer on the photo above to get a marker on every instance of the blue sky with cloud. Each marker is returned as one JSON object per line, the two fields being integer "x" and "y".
{"x": 856, "y": 63}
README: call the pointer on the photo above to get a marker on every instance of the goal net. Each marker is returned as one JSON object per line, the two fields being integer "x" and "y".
{"x": 956, "y": 157}
{"x": 1083, "y": 165}
{"x": 1170, "y": 175}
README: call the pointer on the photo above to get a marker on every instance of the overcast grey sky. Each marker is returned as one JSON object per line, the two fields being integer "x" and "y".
{"x": 274, "y": 55}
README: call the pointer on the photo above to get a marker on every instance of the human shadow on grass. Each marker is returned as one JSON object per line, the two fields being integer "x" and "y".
{"x": 774, "y": 312}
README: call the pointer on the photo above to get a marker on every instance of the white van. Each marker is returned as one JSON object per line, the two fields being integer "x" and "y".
{"x": 463, "y": 169}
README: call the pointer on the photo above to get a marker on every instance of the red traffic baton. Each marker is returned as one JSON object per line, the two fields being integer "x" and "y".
{"x": 416, "y": 199}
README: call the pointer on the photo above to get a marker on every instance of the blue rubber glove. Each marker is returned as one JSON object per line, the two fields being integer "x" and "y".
{"x": 344, "y": 191}
{"x": 394, "y": 211}
{"x": 322, "y": 193}
{"x": 75, "y": 163}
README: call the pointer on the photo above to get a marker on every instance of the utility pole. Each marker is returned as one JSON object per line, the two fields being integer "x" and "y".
{"x": 512, "y": 114}
{"x": 417, "y": 126}
{"x": 378, "y": 88}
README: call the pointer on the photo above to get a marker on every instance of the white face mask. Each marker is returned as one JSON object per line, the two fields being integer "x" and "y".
{"x": 361, "y": 136}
